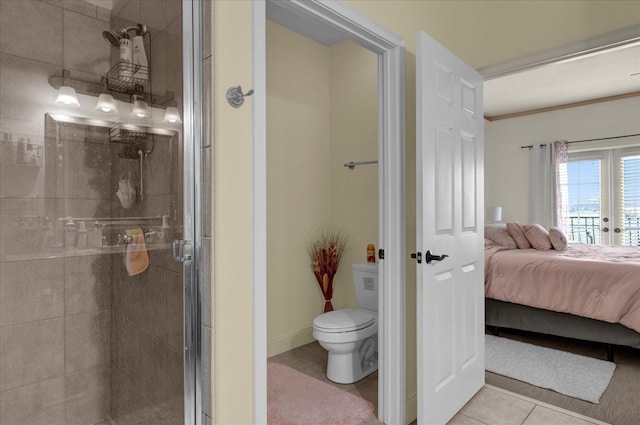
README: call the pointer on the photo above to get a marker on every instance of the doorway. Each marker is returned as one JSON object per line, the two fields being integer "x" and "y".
{"x": 348, "y": 25}
{"x": 323, "y": 112}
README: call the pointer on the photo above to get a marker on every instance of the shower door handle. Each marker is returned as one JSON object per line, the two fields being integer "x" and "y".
{"x": 181, "y": 250}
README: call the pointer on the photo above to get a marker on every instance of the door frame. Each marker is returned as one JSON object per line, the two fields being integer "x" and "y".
{"x": 391, "y": 199}
{"x": 193, "y": 212}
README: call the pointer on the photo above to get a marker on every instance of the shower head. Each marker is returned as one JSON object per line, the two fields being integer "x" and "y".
{"x": 112, "y": 37}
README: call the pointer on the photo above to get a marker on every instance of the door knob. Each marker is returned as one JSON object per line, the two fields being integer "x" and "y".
{"x": 617, "y": 230}
{"x": 605, "y": 229}
{"x": 428, "y": 257}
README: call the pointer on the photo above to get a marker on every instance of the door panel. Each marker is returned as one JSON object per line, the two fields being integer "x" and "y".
{"x": 449, "y": 201}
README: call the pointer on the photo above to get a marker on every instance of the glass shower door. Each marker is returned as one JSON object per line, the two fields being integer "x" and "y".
{"x": 92, "y": 194}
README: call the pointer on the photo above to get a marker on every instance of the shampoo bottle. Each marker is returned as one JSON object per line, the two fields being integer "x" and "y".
{"x": 126, "y": 58}
{"x": 69, "y": 234}
{"x": 94, "y": 236}
{"x": 82, "y": 235}
{"x": 140, "y": 63}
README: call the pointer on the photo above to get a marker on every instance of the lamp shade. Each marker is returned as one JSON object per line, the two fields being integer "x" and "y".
{"x": 106, "y": 103}
{"x": 141, "y": 108}
{"x": 497, "y": 214}
{"x": 67, "y": 97}
{"x": 172, "y": 115}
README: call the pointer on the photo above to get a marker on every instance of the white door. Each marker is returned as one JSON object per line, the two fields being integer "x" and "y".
{"x": 450, "y": 221}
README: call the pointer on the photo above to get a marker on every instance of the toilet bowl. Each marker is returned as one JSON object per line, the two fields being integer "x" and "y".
{"x": 350, "y": 336}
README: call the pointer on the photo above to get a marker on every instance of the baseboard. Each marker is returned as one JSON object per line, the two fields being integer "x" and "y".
{"x": 289, "y": 341}
{"x": 412, "y": 408}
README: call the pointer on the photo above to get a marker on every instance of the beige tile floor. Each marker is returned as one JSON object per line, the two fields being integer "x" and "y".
{"x": 491, "y": 406}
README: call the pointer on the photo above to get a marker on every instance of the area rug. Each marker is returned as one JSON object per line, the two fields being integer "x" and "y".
{"x": 295, "y": 398}
{"x": 577, "y": 376}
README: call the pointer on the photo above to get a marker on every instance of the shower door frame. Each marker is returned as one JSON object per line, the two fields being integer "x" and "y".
{"x": 193, "y": 213}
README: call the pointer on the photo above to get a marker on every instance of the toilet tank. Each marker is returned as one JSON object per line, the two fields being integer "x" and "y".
{"x": 365, "y": 280}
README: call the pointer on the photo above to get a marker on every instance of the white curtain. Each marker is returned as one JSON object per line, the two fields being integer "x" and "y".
{"x": 543, "y": 181}
{"x": 542, "y": 199}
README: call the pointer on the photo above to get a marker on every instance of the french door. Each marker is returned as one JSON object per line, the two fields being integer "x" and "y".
{"x": 601, "y": 196}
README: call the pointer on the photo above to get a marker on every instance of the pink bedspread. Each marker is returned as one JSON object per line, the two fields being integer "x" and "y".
{"x": 595, "y": 281}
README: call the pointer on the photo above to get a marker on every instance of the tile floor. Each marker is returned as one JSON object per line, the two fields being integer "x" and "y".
{"x": 491, "y": 406}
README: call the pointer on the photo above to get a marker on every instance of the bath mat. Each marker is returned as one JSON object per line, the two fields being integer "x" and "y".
{"x": 577, "y": 376}
{"x": 295, "y": 398}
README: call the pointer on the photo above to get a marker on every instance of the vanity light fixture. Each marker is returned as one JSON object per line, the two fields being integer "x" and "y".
{"x": 67, "y": 97}
{"x": 140, "y": 107}
{"x": 172, "y": 115}
{"x": 106, "y": 103}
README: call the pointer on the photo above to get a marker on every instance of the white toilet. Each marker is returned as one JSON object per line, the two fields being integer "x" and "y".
{"x": 351, "y": 336}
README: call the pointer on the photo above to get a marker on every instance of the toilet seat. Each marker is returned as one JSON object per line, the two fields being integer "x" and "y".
{"x": 346, "y": 320}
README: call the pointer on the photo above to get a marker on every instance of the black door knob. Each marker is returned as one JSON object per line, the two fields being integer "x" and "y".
{"x": 430, "y": 257}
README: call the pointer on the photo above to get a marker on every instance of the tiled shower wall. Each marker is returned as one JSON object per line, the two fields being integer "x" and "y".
{"x": 80, "y": 341}
{"x": 147, "y": 340}
{"x": 55, "y": 310}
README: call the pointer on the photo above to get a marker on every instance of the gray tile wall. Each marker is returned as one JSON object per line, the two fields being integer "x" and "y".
{"x": 147, "y": 383}
{"x": 55, "y": 310}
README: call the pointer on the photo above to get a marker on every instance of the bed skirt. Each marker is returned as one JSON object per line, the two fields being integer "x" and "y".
{"x": 515, "y": 316}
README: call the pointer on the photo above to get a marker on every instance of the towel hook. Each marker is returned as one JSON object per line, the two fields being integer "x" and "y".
{"x": 235, "y": 97}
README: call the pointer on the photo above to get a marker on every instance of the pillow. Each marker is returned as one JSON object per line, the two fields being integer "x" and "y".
{"x": 499, "y": 235}
{"x": 537, "y": 236}
{"x": 558, "y": 239}
{"x": 517, "y": 233}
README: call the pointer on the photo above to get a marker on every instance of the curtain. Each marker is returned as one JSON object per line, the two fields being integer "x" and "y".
{"x": 544, "y": 194}
{"x": 561, "y": 151}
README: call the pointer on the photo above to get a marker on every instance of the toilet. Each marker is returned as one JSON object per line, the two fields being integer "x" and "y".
{"x": 351, "y": 335}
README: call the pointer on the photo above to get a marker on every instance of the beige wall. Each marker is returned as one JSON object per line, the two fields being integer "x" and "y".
{"x": 298, "y": 181}
{"x": 354, "y": 137}
{"x": 322, "y": 113}
{"x": 490, "y": 32}
{"x": 232, "y": 188}
{"x": 507, "y": 165}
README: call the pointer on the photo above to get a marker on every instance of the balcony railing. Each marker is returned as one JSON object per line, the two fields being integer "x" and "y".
{"x": 587, "y": 230}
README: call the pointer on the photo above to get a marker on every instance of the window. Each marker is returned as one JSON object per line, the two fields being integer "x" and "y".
{"x": 600, "y": 197}
{"x": 580, "y": 188}
{"x": 629, "y": 195}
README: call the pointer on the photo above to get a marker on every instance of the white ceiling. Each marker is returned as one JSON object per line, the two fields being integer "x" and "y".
{"x": 599, "y": 75}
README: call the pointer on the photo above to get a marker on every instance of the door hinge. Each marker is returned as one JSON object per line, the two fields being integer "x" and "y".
{"x": 381, "y": 254}
{"x": 181, "y": 250}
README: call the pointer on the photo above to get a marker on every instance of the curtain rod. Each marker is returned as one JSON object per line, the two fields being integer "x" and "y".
{"x": 587, "y": 140}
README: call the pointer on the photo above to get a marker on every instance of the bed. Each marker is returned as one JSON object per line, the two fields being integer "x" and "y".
{"x": 587, "y": 292}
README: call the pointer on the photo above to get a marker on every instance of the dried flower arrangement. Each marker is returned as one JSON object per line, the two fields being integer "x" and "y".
{"x": 325, "y": 253}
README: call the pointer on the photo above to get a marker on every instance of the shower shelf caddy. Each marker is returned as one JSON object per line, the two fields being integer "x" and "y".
{"x": 127, "y": 78}
{"x": 119, "y": 134}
